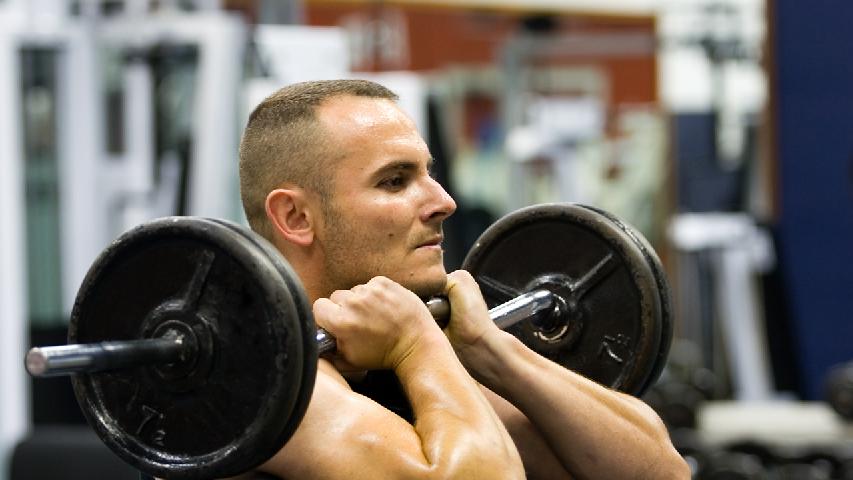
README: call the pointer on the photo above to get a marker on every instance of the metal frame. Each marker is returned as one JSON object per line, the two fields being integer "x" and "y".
{"x": 221, "y": 39}
{"x": 88, "y": 178}
{"x": 78, "y": 140}
{"x": 83, "y": 207}
{"x": 516, "y": 56}
{"x": 14, "y": 411}
{"x": 739, "y": 251}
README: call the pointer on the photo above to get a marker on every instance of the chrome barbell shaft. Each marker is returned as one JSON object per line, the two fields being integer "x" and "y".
{"x": 525, "y": 306}
{"x": 95, "y": 357}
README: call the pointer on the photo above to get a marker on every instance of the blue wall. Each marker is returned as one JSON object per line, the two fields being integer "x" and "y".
{"x": 814, "y": 68}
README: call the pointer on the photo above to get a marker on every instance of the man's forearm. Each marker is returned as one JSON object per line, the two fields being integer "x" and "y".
{"x": 594, "y": 431}
{"x": 460, "y": 432}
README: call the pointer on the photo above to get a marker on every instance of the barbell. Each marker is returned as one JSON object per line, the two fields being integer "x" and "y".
{"x": 193, "y": 351}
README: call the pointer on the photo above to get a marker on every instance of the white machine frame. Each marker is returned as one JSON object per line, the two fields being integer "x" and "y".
{"x": 88, "y": 177}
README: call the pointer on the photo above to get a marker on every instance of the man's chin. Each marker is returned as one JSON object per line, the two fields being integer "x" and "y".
{"x": 428, "y": 287}
{"x": 426, "y": 280}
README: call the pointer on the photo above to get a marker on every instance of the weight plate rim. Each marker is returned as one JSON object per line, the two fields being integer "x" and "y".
{"x": 299, "y": 303}
{"x": 663, "y": 289}
{"x": 307, "y": 324}
{"x": 165, "y": 465}
{"x": 173, "y": 467}
{"x": 634, "y": 382}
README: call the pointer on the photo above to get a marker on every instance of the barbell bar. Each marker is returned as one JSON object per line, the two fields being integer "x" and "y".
{"x": 174, "y": 347}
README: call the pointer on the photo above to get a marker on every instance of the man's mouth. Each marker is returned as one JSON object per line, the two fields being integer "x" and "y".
{"x": 432, "y": 242}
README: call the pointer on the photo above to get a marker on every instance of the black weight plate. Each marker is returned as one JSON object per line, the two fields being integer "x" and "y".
{"x": 615, "y": 315}
{"x": 231, "y": 410}
{"x": 663, "y": 290}
{"x": 305, "y": 316}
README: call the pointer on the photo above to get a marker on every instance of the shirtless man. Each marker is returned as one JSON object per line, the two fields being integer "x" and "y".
{"x": 337, "y": 177}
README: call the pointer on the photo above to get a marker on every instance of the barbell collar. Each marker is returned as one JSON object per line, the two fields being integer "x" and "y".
{"x": 96, "y": 357}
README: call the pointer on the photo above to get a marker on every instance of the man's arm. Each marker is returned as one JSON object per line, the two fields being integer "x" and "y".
{"x": 348, "y": 436}
{"x": 593, "y": 431}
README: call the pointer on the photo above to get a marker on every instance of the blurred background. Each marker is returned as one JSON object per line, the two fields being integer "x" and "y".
{"x": 721, "y": 129}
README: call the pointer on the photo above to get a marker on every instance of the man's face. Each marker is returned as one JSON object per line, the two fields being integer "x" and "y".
{"x": 385, "y": 212}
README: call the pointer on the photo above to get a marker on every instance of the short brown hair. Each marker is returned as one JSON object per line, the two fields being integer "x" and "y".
{"x": 284, "y": 143}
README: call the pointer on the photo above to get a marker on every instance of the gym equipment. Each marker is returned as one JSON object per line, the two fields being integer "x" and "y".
{"x": 614, "y": 323}
{"x": 839, "y": 390}
{"x": 682, "y": 388}
{"x": 194, "y": 350}
{"x": 723, "y": 465}
{"x": 239, "y": 325}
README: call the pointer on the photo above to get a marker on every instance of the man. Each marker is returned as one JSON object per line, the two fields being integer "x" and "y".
{"x": 336, "y": 176}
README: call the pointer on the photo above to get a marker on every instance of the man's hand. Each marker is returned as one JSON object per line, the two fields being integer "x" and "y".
{"x": 470, "y": 324}
{"x": 376, "y": 325}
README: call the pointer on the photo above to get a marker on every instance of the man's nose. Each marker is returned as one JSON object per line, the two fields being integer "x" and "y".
{"x": 440, "y": 204}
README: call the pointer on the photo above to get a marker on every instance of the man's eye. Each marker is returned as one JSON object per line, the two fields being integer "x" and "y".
{"x": 396, "y": 181}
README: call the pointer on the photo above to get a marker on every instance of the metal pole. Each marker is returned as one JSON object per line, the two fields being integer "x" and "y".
{"x": 96, "y": 357}
{"x": 172, "y": 347}
{"x": 523, "y": 307}
{"x": 14, "y": 402}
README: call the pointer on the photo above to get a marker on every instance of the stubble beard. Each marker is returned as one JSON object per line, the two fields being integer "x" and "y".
{"x": 344, "y": 248}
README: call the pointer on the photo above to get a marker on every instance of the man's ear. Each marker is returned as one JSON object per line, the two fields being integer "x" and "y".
{"x": 291, "y": 215}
